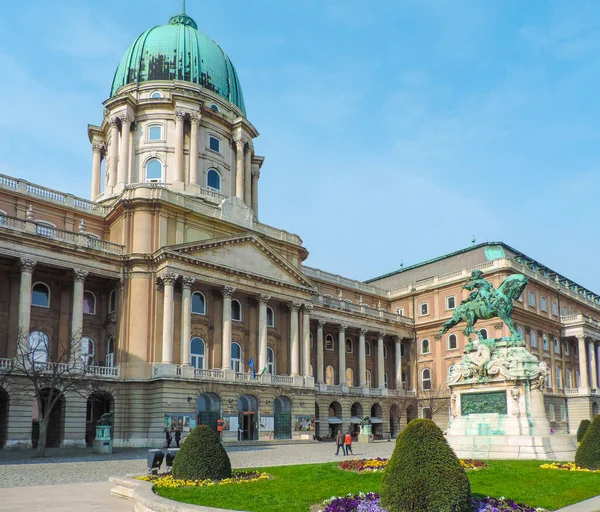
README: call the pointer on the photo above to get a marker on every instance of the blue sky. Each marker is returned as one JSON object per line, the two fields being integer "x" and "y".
{"x": 392, "y": 130}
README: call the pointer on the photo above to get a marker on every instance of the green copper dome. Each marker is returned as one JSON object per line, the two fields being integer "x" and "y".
{"x": 177, "y": 51}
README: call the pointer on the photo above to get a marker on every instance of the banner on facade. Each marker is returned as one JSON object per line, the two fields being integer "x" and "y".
{"x": 184, "y": 422}
{"x": 304, "y": 423}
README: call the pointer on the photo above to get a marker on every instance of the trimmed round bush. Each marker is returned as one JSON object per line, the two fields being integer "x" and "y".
{"x": 202, "y": 457}
{"x": 424, "y": 474}
{"x": 588, "y": 452}
{"x": 583, "y": 426}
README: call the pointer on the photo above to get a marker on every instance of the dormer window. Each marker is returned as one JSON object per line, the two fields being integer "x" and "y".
{"x": 156, "y": 95}
{"x": 214, "y": 144}
{"x": 215, "y": 108}
{"x": 155, "y": 132}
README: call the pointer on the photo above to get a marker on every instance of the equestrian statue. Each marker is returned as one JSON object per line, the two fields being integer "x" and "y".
{"x": 485, "y": 302}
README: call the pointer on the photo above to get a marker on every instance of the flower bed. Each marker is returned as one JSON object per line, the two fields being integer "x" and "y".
{"x": 568, "y": 466}
{"x": 238, "y": 477}
{"x": 369, "y": 502}
{"x": 379, "y": 464}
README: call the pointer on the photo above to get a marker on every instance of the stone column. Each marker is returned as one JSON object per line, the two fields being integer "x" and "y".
{"x": 294, "y": 338}
{"x": 124, "y": 158}
{"x": 593, "y": 373}
{"x": 239, "y": 168}
{"x": 195, "y": 122}
{"x": 380, "y": 368}
{"x": 96, "y": 169}
{"x": 255, "y": 176}
{"x": 320, "y": 357}
{"x": 582, "y": 353}
{"x": 177, "y": 174}
{"x": 79, "y": 277}
{"x": 306, "y": 339}
{"x": 362, "y": 362}
{"x": 248, "y": 175}
{"x": 262, "y": 331}
{"x": 342, "y": 355}
{"x": 186, "y": 319}
{"x": 597, "y": 357}
{"x": 398, "y": 363}
{"x": 228, "y": 292}
{"x": 27, "y": 267}
{"x": 113, "y": 151}
{"x": 168, "y": 280}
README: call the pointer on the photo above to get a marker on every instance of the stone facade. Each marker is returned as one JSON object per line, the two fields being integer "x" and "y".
{"x": 175, "y": 285}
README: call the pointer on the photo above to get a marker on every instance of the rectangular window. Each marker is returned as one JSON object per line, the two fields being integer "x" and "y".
{"x": 563, "y": 413}
{"x": 552, "y": 413}
{"x": 546, "y": 344}
{"x": 568, "y": 379}
{"x": 543, "y": 305}
{"x": 554, "y": 309}
{"x": 424, "y": 308}
{"x": 548, "y": 380}
{"x": 400, "y": 311}
{"x": 567, "y": 348}
{"x": 531, "y": 299}
{"x": 214, "y": 144}
{"x": 563, "y": 311}
{"x": 155, "y": 133}
{"x": 450, "y": 302}
{"x": 556, "y": 346}
{"x": 558, "y": 378}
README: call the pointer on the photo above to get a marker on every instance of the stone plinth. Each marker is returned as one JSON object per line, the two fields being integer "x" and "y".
{"x": 103, "y": 443}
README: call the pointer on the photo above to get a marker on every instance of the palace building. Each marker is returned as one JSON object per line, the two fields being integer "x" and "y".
{"x": 174, "y": 286}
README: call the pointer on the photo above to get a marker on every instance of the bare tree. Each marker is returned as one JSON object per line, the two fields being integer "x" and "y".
{"x": 436, "y": 399}
{"x": 404, "y": 399}
{"x": 45, "y": 375}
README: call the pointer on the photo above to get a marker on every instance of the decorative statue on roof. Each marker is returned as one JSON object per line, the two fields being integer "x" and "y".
{"x": 484, "y": 302}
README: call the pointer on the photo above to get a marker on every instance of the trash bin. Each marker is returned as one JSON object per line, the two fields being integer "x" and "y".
{"x": 170, "y": 457}
{"x": 155, "y": 460}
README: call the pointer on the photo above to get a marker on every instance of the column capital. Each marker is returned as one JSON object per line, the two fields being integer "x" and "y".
{"x": 295, "y": 306}
{"x": 187, "y": 282}
{"x": 126, "y": 119}
{"x": 380, "y": 335}
{"x": 581, "y": 337}
{"x": 321, "y": 324}
{"x": 27, "y": 265}
{"x": 180, "y": 115}
{"x": 263, "y": 298}
{"x": 396, "y": 339}
{"x": 228, "y": 291}
{"x": 363, "y": 332}
{"x": 98, "y": 147}
{"x": 239, "y": 142}
{"x": 343, "y": 328}
{"x": 308, "y": 308}
{"x": 113, "y": 121}
{"x": 256, "y": 173}
{"x": 195, "y": 118}
{"x": 169, "y": 278}
{"x": 79, "y": 275}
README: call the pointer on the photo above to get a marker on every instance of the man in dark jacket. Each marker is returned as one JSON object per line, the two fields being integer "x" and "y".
{"x": 177, "y": 437}
{"x": 339, "y": 440}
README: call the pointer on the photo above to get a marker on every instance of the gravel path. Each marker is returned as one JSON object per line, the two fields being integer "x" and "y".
{"x": 72, "y": 468}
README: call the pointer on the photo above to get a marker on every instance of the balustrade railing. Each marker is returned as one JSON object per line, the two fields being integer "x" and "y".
{"x": 6, "y": 364}
{"x": 284, "y": 380}
{"x": 209, "y": 374}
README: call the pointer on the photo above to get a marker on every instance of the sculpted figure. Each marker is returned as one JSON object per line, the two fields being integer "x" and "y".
{"x": 481, "y": 288}
{"x": 105, "y": 419}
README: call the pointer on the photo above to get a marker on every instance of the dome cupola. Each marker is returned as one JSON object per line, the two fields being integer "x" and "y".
{"x": 178, "y": 51}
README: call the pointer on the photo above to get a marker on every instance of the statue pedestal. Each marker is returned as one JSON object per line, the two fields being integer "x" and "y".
{"x": 503, "y": 420}
{"x": 365, "y": 435}
{"x": 103, "y": 443}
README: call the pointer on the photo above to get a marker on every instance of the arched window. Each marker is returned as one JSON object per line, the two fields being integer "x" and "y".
{"x": 329, "y": 376}
{"x": 213, "y": 180}
{"x": 452, "y": 342}
{"x": 425, "y": 346}
{"x": 426, "y": 379}
{"x": 112, "y": 301}
{"x": 403, "y": 380}
{"x": 197, "y": 351}
{"x": 214, "y": 144}
{"x": 236, "y": 310}
{"x": 402, "y": 349}
{"x": 270, "y": 361}
{"x": 368, "y": 378}
{"x": 349, "y": 377}
{"x": 198, "y": 303}
{"x": 483, "y": 333}
{"x": 349, "y": 346}
{"x": 329, "y": 342}
{"x": 89, "y": 303}
{"x": 384, "y": 351}
{"x": 214, "y": 107}
{"x": 367, "y": 348}
{"x": 236, "y": 357}
{"x": 155, "y": 95}
{"x": 39, "y": 344}
{"x": 154, "y": 171}
{"x": 385, "y": 380}
{"x": 87, "y": 350}
{"x": 270, "y": 317}
{"x": 109, "y": 360}
{"x": 533, "y": 338}
{"x": 40, "y": 295}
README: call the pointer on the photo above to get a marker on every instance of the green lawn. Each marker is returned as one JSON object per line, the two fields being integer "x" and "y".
{"x": 295, "y": 488}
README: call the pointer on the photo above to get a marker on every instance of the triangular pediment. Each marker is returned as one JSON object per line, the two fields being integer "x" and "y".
{"x": 244, "y": 254}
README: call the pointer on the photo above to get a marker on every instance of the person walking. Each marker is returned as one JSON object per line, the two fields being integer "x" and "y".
{"x": 339, "y": 441}
{"x": 168, "y": 437}
{"x": 349, "y": 444}
{"x": 177, "y": 437}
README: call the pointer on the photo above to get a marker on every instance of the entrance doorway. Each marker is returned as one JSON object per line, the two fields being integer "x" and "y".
{"x": 283, "y": 418}
{"x": 335, "y": 419}
{"x": 97, "y": 404}
{"x": 4, "y": 401}
{"x": 377, "y": 421}
{"x": 247, "y": 418}
{"x": 209, "y": 410}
